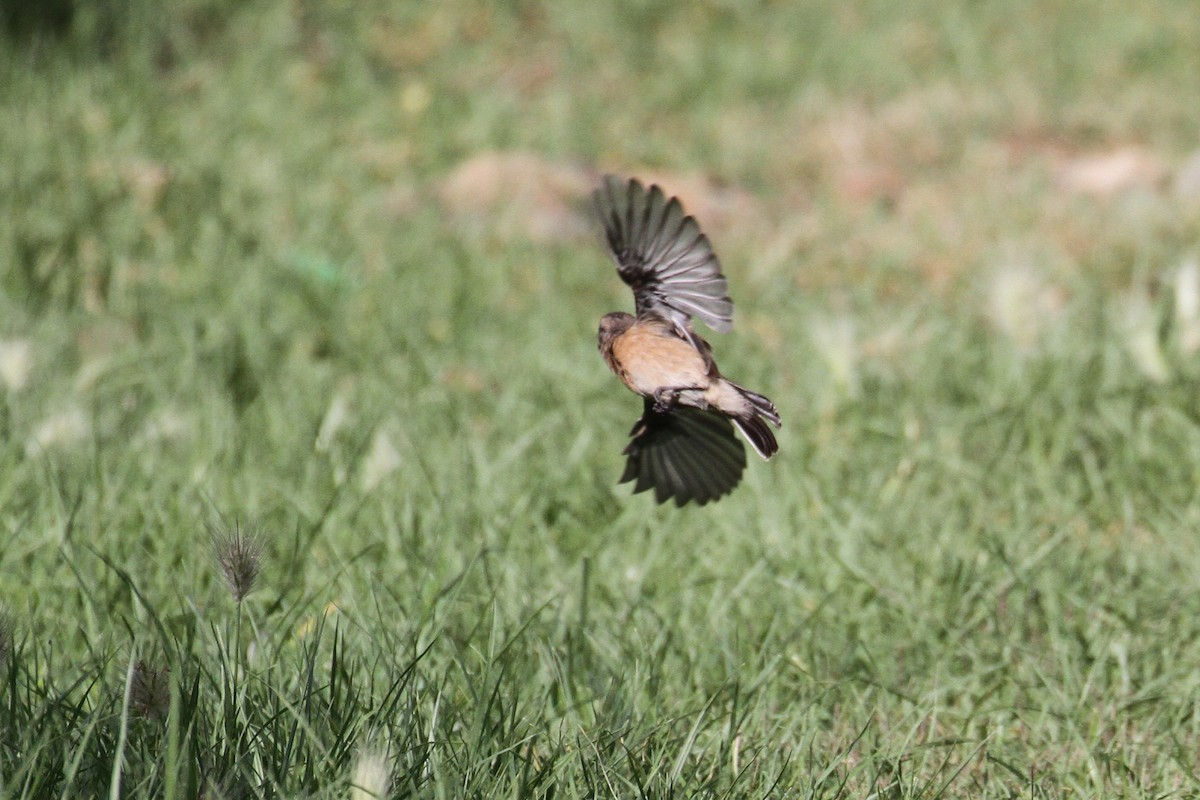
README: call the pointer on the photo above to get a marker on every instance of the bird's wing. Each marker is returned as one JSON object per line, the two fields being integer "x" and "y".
{"x": 662, "y": 254}
{"x": 685, "y": 455}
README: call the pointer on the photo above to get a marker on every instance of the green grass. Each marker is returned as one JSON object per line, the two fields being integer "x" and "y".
{"x": 971, "y": 572}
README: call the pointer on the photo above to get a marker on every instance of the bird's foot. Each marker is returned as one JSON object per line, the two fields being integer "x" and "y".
{"x": 664, "y": 400}
{"x": 668, "y": 398}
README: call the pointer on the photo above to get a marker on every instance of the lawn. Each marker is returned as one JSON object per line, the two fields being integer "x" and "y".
{"x": 308, "y": 460}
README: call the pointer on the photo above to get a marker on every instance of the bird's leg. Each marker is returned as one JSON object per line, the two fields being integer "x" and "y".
{"x": 666, "y": 398}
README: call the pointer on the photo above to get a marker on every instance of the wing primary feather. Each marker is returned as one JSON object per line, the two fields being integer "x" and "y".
{"x": 663, "y": 254}
{"x": 665, "y": 238}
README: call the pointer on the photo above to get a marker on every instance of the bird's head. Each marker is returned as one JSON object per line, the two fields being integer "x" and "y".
{"x": 613, "y": 325}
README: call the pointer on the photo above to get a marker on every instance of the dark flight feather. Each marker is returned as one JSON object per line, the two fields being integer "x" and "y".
{"x": 685, "y": 455}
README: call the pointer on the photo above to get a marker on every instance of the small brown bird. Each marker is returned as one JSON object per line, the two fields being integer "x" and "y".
{"x": 683, "y": 446}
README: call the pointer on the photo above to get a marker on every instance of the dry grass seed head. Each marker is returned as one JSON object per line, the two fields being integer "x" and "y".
{"x": 150, "y": 691}
{"x": 239, "y": 556}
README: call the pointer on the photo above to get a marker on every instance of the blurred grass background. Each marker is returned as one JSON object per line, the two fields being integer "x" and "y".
{"x": 325, "y": 272}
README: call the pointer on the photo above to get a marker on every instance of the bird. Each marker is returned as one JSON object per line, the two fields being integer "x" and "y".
{"x": 683, "y": 446}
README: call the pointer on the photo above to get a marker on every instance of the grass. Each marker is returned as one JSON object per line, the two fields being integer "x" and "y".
{"x": 236, "y": 295}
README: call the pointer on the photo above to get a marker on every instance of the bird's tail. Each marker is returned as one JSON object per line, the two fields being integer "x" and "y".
{"x": 753, "y": 422}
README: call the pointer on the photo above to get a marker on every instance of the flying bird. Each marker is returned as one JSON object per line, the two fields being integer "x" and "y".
{"x": 683, "y": 446}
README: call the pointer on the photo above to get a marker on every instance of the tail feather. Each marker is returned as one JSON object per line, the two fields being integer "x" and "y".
{"x": 753, "y": 424}
{"x": 758, "y": 435}
{"x": 762, "y": 405}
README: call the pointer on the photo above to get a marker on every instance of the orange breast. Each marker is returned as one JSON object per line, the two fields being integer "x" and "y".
{"x": 651, "y": 357}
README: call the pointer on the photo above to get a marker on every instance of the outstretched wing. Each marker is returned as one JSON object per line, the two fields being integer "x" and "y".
{"x": 685, "y": 455}
{"x": 662, "y": 254}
